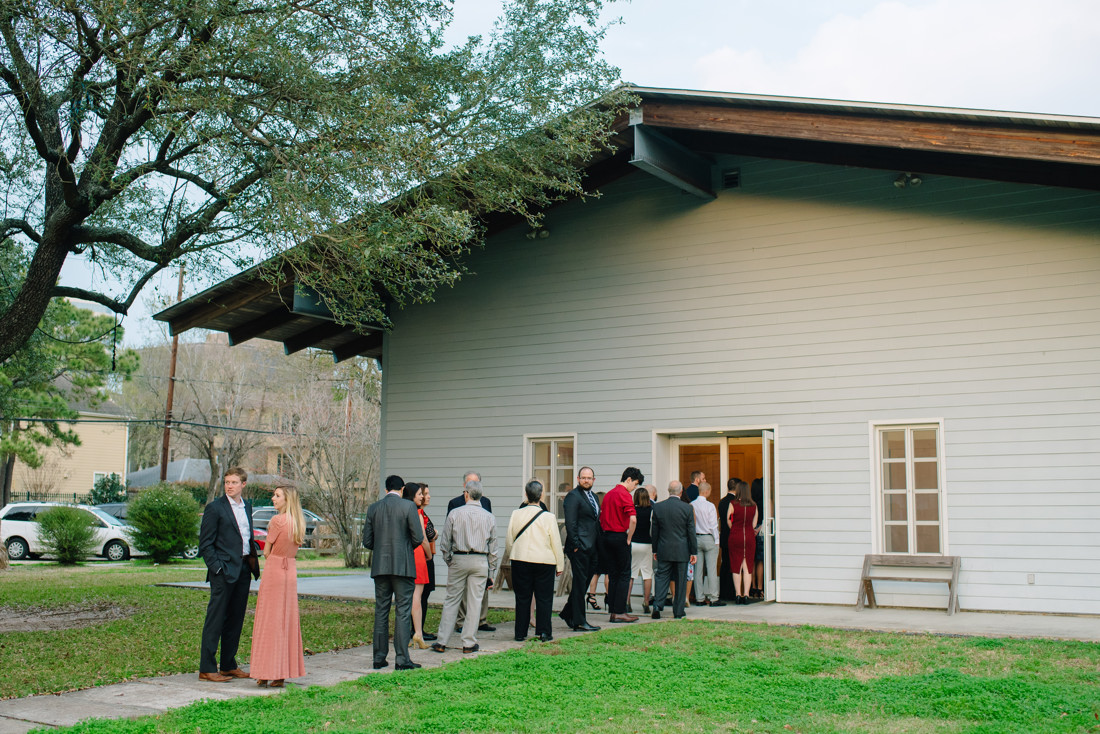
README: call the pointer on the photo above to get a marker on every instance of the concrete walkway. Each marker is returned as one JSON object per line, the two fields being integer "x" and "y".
{"x": 157, "y": 695}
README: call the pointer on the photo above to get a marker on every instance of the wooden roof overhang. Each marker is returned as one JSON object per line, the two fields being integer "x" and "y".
{"x": 672, "y": 134}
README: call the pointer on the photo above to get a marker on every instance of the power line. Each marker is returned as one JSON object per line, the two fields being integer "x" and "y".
{"x": 161, "y": 422}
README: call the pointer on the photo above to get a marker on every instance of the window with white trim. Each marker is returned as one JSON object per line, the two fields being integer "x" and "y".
{"x": 910, "y": 488}
{"x": 552, "y": 463}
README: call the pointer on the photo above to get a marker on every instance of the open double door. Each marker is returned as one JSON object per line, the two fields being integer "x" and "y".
{"x": 746, "y": 455}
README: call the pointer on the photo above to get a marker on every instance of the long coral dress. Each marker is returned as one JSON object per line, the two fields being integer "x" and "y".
{"x": 277, "y": 632}
{"x": 742, "y": 542}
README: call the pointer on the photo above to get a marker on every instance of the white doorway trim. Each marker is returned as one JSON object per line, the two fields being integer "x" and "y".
{"x": 664, "y": 442}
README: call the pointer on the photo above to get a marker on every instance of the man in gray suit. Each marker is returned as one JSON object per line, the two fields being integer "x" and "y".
{"x": 672, "y": 529}
{"x": 392, "y": 530}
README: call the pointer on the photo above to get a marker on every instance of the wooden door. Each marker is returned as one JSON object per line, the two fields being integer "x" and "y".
{"x": 706, "y": 458}
{"x": 746, "y": 462}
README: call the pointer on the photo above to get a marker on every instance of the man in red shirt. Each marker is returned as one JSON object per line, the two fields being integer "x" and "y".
{"x": 617, "y": 521}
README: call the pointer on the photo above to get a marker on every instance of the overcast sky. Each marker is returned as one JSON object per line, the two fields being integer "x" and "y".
{"x": 1016, "y": 55}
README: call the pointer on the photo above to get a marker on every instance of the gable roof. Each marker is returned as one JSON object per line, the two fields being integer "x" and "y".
{"x": 671, "y": 133}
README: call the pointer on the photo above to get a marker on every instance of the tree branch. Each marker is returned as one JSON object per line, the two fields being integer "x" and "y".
{"x": 7, "y": 226}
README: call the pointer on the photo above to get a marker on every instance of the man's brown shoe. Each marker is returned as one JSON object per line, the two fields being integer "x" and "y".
{"x": 235, "y": 673}
{"x": 214, "y": 677}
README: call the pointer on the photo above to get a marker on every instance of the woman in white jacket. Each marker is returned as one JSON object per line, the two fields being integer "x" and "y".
{"x": 534, "y": 545}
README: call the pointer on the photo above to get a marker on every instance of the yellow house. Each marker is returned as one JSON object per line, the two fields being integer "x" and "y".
{"x": 68, "y": 473}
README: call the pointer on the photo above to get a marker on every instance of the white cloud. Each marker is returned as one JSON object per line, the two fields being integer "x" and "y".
{"x": 1011, "y": 54}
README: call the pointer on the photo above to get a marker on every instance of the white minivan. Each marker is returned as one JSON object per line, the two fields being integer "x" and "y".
{"x": 20, "y": 530}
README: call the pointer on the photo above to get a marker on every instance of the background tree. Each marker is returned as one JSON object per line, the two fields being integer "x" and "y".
{"x": 71, "y": 358}
{"x": 333, "y": 449}
{"x": 223, "y": 401}
{"x": 108, "y": 488}
{"x": 139, "y": 132}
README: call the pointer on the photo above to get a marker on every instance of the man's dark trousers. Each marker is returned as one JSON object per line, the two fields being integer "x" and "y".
{"x": 583, "y": 565}
{"x": 616, "y": 553}
{"x": 399, "y": 588}
{"x": 671, "y": 571}
{"x": 537, "y": 579}
{"x": 224, "y": 621}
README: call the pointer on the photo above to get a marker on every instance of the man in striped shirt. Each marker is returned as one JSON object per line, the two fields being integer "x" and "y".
{"x": 468, "y": 545}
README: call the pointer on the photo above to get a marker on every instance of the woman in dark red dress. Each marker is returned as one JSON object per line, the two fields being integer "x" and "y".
{"x": 742, "y": 543}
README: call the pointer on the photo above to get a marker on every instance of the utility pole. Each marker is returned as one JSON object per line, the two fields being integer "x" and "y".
{"x": 171, "y": 392}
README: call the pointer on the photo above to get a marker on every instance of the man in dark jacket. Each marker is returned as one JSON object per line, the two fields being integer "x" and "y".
{"x": 227, "y": 548}
{"x": 582, "y": 534}
{"x": 672, "y": 529}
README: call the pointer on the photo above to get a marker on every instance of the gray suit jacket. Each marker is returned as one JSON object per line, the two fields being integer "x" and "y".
{"x": 392, "y": 530}
{"x": 673, "y": 530}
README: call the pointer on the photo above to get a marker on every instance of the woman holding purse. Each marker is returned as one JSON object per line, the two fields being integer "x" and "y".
{"x": 277, "y": 632}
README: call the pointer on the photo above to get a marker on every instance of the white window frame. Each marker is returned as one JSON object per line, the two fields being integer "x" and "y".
{"x": 878, "y": 538}
{"x": 97, "y": 474}
{"x": 528, "y": 465}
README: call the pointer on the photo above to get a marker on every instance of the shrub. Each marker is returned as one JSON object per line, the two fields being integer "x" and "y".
{"x": 197, "y": 490}
{"x": 165, "y": 520}
{"x": 67, "y": 533}
{"x": 108, "y": 489}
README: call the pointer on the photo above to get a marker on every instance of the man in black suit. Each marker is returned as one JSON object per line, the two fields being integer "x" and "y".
{"x": 582, "y": 534}
{"x": 392, "y": 530}
{"x": 483, "y": 618}
{"x": 725, "y": 574}
{"x": 227, "y": 548}
{"x": 691, "y": 492}
{"x": 672, "y": 528}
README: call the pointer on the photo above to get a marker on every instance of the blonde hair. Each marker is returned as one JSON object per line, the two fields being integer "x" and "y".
{"x": 293, "y": 508}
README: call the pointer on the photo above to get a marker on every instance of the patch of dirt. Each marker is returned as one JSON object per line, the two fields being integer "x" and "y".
{"x": 49, "y": 619}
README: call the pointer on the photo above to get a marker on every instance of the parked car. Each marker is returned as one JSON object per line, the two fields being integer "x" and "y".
{"x": 261, "y": 516}
{"x": 260, "y": 536}
{"x": 20, "y": 530}
{"x": 118, "y": 509}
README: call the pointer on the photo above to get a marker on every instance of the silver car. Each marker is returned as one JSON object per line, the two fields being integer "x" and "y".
{"x": 20, "y": 530}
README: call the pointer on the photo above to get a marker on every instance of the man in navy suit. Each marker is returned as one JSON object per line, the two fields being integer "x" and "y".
{"x": 582, "y": 533}
{"x": 227, "y": 548}
{"x": 392, "y": 530}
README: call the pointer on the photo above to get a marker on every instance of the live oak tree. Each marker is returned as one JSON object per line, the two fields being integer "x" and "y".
{"x": 141, "y": 132}
{"x": 69, "y": 359}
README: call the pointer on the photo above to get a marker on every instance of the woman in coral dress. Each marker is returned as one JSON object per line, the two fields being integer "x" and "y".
{"x": 414, "y": 491}
{"x": 277, "y": 633}
{"x": 742, "y": 543}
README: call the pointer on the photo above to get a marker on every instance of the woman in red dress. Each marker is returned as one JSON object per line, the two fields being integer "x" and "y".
{"x": 277, "y": 633}
{"x": 415, "y": 491}
{"x": 742, "y": 543}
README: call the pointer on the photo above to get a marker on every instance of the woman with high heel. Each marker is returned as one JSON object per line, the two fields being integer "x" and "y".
{"x": 277, "y": 633}
{"x": 415, "y": 492}
{"x": 742, "y": 542}
{"x": 431, "y": 534}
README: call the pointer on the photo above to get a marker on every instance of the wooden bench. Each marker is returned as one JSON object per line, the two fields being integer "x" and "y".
{"x": 872, "y": 561}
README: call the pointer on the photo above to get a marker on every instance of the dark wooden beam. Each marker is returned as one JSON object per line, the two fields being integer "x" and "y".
{"x": 1066, "y": 175}
{"x": 317, "y": 332}
{"x": 259, "y": 326}
{"x": 218, "y": 306}
{"x": 945, "y": 136}
{"x": 660, "y": 156}
{"x": 360, "y": 345}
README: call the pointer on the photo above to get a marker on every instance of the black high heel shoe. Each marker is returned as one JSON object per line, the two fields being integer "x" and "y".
{"x": 593, "y": 603}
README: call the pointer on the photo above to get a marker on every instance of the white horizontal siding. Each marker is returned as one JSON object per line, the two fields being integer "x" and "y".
{"x": 816, "y": 299}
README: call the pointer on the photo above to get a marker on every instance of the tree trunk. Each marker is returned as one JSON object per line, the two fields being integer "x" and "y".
{"x": 26, "y": 311}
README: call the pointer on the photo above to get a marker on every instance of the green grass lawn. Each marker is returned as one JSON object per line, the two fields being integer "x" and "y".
{"x": 157, "y": 634}
{"x": 696, "y": 677}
